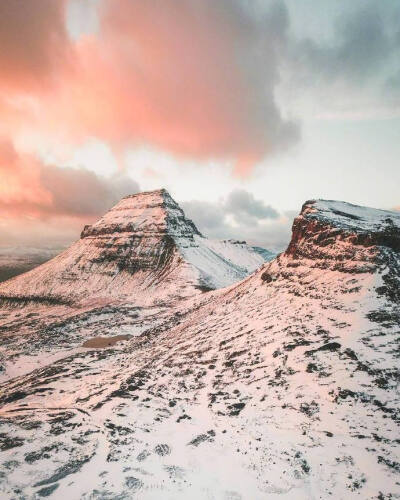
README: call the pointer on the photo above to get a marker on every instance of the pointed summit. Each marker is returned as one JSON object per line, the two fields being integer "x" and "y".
{"x": 144, "y": 250}
{"x": 151, "y": 212}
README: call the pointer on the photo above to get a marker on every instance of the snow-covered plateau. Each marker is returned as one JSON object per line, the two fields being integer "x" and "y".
{"x": 145, "y": 362}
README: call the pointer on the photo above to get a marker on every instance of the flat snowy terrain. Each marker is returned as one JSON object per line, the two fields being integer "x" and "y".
{"x": 284, "y": 385}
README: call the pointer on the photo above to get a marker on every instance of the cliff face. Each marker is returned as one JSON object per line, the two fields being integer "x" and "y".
{"x": 350, "y": 239}
{"x": 143, "y": 250}
{"x": 138, "y": 235}
{"x": 339, "y": 235}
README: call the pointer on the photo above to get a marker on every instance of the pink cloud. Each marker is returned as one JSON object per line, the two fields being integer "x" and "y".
{"x": 20, "y": 186}
{"x": 33, "y": 39}
{"x": 30, "y": 188}
{"x": 193, "y": 78}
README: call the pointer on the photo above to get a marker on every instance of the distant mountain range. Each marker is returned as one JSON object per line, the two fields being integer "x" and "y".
{"x": 123, "y": 379}
{"x": 18, "y": 260}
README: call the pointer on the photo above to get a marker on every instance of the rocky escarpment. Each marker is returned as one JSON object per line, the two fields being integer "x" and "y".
{"x": 354, "y": 240}
{"x": 153, "y": 212}
{"x": 343, "y": 236}
{"x": 138, "y": 233}
{"x": 143, "y": 250}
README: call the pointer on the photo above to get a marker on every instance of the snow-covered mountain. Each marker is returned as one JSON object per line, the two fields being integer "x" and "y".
{"x": 284, "y": 385}
{"x": 143, "y": 250}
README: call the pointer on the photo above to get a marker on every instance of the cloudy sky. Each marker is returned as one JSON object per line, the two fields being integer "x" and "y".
{"x": 242, "y": 109}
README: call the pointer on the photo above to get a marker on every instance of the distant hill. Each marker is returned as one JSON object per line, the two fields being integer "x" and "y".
{"x": 18, "y": 260}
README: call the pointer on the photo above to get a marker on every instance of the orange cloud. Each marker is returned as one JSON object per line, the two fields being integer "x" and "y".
{"x": 193, "y": 78}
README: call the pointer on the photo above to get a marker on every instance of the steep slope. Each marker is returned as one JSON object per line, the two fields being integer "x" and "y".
{"x": 282, "y": 386}
{"x": 143, "y": 250}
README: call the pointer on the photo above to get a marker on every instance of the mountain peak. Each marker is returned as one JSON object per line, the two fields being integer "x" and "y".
{"x": 148, "y": 212}
{"x": 349, "y": 217}
{"x": 144, "y": 249}
{"x": 342, "y": 232}
{"x": 161, "y": 193}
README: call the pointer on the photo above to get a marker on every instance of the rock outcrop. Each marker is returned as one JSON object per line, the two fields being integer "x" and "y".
{"x": 344, "y": 234}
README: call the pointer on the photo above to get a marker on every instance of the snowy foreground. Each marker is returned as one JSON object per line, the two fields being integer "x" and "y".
{"x": 284, "y": 385}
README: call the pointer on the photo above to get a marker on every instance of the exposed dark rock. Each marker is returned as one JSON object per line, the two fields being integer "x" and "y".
{"x": 47, "y": 490}
{"x": 236, "y": 408}
{"x": 162, "y": 450}
{"x": 330, "y": 346}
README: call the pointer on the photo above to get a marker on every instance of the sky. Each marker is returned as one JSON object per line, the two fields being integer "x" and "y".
{"x": 242, "y": 109}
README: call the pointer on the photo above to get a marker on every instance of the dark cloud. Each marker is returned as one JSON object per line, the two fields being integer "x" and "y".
{"x": 207, "y": 216}
{"x": 241, "y": 216}
{"x": 244, "y": 206}
{"x": 46, "y": 191}
{"x": 361, "y": 54}
{"x": 79, "y": 192}
{"x": 359, "y": 46}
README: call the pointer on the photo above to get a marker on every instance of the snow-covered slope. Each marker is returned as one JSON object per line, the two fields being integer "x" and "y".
{"x": 351, "y": 218}
{"x": 143, "y": 250}
{"x": 221, "y": 263}
{"x": 284, "y": 386}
